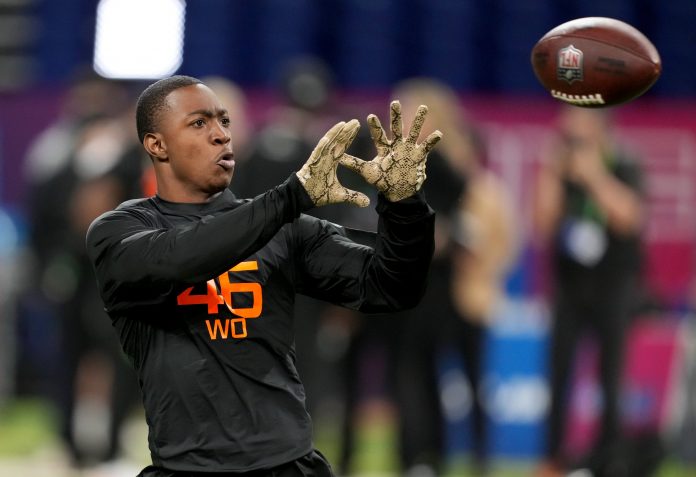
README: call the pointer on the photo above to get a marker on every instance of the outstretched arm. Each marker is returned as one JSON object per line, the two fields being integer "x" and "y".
{"x": 139, "y": 257}
{"x": 135, "y": 253}
{"x": 386, "y": 273}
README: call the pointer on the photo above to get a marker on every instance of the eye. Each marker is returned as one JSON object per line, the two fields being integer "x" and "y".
{"x": 199, "y": 123}
{"x": 225, "y": 122}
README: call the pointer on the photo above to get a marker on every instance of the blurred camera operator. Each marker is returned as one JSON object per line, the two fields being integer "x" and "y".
{"x": 589, "y": 212}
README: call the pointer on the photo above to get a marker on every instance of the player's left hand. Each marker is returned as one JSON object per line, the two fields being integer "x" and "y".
{"x": 398, "y": 171}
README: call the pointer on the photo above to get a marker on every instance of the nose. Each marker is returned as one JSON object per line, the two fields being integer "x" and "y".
{"x": 221, "y": 135}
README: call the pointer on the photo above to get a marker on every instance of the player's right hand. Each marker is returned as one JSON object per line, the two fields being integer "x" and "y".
{"x": 318, "y": 175}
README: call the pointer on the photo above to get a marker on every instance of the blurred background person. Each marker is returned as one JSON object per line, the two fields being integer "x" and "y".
{"x": 475, "y": 246}
{"x": 589, "y": 212}
{"x": 288, "y": 133}
{"x": 83, "y": 165}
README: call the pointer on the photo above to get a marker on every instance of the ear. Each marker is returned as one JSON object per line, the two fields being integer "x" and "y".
{"x": 155, "y": 146}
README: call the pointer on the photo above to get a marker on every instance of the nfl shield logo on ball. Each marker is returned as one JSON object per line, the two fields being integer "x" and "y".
{"x": 569, "y": 64}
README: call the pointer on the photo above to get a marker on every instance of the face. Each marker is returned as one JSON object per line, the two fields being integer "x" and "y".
{"x": 193, "y": 158}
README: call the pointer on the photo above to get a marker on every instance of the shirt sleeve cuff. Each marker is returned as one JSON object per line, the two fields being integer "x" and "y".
{"x": 304, "y": 201}
{"x": 408, "y": 209}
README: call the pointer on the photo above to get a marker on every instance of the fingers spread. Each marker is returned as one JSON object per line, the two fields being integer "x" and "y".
{"x": 378, "y": 135}
{"x": 417, "y": 125}
{"x": 395, "y": 117}
{"x": 431, "y": 140}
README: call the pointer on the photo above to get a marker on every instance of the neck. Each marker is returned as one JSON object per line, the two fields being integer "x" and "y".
{"x": 182, "y": 195}
{"x": 189, "y": 199}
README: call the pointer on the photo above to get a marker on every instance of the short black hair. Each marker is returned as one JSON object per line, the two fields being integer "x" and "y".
{"x": 152, "y": 101}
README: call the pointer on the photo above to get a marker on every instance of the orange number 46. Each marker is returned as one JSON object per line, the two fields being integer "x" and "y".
{"x": 213, "y": 299}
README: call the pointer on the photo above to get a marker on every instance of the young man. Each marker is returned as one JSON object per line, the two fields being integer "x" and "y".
{"x": 200, "y": 285}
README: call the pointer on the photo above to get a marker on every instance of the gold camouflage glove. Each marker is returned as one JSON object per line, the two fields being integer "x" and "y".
{"x": 398, "y": 171}
{"x": 318, "y": 174}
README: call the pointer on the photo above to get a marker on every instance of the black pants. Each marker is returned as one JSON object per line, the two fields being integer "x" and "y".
{"x": 422, "y": 423}
{"x": 606, "y": 316}
{"x": 433, "y": 326}
{"x": 313, "y": 464}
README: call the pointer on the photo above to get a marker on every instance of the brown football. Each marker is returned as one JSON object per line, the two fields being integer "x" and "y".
{"x": 595, "y": 62}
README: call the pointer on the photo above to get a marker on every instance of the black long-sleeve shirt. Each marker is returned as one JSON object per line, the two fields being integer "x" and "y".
{"x": 202, "y": 298}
